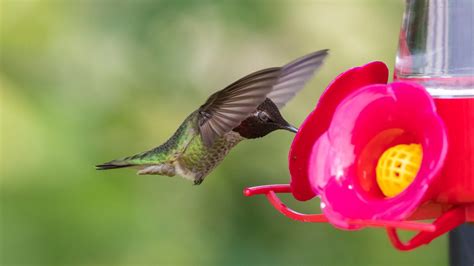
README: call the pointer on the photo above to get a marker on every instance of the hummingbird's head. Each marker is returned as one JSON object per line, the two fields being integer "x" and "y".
{"x": 265, "y": 119}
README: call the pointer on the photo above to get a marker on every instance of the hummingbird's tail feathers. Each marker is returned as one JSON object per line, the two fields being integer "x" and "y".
{"x": 113, "y": 165}
{"x": 151, "y": 157}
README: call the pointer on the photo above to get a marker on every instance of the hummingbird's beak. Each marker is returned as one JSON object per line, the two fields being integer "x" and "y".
{"x": 291, "y": 128}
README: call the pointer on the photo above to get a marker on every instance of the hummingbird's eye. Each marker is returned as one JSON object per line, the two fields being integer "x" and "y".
{"x": 263, "y": 116}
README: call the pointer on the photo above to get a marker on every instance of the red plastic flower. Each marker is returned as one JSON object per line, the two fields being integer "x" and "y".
{"x": 336, "y": 150}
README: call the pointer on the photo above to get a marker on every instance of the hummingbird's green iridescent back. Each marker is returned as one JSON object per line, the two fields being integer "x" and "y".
{"x": 169, "y": 151}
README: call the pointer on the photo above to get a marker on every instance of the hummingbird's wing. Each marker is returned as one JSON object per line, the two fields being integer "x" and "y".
{"x": 294, "y": 76}
{"x": 227, "y": 108}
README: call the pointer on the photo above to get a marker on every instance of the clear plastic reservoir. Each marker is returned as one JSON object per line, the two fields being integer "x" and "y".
{"x": 436, "y": 47}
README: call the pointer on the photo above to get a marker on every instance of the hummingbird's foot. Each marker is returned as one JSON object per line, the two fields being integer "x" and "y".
{"x": 198, "y": 181}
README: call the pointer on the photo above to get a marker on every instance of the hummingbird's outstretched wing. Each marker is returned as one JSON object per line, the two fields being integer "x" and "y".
{"x": 294, "y": 76}
{"x": 227, "y": 108}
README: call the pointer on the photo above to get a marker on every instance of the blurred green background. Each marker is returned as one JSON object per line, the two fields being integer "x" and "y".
{"x": 86, "y": 81}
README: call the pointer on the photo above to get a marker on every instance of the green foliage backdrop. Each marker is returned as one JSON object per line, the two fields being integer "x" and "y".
{"x": 82, "y": 82}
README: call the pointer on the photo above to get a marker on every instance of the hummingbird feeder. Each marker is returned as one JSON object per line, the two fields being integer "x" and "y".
{"x": 389, "y": 155}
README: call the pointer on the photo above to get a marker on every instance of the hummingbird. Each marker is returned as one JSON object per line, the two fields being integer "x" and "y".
{"x": 246, "y": 109}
